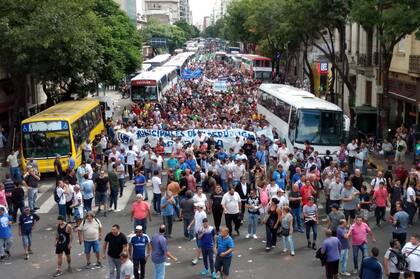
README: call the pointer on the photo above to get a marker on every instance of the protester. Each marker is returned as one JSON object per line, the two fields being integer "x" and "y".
{"x": 391, "y": 258}
{"x": 140, "y": 212}
{"x": 5, "y": 234}
{"x": 371, "y": 268}
{"x": 358, "y": 233}
{"x": 139, "y": 250}
{"x": 331, "y": 246}
{"x": 253, "y": 205}
{"x": 344, "y": 254}
{"x": 231, "y": 203}
{"x": 411, "y": 251}
{"x": 126, "y": 267}
{"x": 272, "y": 222}
{"x": 199, "y": 216}
{"x": 217, "y": 208}
{"x": 63, "y": 240}
{"x": 90, "y": 235}
{"x": 167, "y": 205}
{"x": 224, "y": 253}
{"x": 206, "y": 235}
{"x": 26, "y": 224}
{"x": 115, "y": 243}
{"x": 160, "y": 252}
{"x": 287, "y": 231}
{"x": 380, "y": 199}
{"x": 400, "y": 221}
{"x": 310, "y": 216}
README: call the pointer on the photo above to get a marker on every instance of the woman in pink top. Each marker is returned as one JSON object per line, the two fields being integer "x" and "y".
{"x": 380, "y": 198}
{"x": 3, "y": 200}
{"x": 358, "y": 233}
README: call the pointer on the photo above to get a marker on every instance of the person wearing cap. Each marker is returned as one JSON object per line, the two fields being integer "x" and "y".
{"x": 63, "y": 241}
{"x": 199, "y": 216}
{"x": 281, "y": 197}
{"x": 334, "y": 218}
{"x": 5, "y": 233}
{"x": 139, "y": 250}
{"x": 26, "y": 223}
{"x": 140, "y": 212}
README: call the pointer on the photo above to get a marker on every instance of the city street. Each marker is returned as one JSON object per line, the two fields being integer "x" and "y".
{"x": 250, "y": 259}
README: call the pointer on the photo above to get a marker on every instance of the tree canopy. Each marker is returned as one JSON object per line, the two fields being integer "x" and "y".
{"x": 69, "y": 46}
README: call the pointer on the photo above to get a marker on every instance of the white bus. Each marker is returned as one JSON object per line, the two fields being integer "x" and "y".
{"x": 150, "y": 86}
{"x": 220, "y": 57}
{"x": 300, "y": 117}
{"x": 180, "y": 61}
{"x": 158, "y": 60}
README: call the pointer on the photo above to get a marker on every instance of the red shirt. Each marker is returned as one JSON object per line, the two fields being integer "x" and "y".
{"x": 380, "y": 196}
{"x": 306, "y": 192}
{"x": 140, "y": 210}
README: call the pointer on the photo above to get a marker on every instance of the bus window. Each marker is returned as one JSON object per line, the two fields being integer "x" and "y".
{"x": 44, "y": 144}
{"x": 319, "y": 127}
{"x": 144, "y": 93}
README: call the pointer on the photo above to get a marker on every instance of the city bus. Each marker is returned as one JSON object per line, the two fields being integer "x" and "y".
{"x": 60, "y": 130}
{"x": 158, "y": 60}
{"x": 150, "y": 86}
{"x": 256, "y": 67}
{"x": 300, "y": 117}
{"x": 180, "y": 61}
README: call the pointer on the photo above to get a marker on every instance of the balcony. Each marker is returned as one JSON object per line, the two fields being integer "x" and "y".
{"x": 414, "y": 64}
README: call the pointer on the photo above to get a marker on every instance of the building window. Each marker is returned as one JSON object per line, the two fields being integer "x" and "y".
{"x": 401, "y": 45}
{"x": 368, "y": 93}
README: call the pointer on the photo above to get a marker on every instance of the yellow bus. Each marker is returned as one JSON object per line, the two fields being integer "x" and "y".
{"x": 61, "y": 129}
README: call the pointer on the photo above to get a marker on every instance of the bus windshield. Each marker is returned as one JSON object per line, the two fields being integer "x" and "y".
{"x": 46, "y": 144}
{"x": 146, "y": 93}
{"x": 319, "y": 127}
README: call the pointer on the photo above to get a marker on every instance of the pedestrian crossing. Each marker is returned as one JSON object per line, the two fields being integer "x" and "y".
{"x": 47, "y": 204}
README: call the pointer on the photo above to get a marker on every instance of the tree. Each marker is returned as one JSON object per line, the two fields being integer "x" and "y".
{"x": 236, "y": 24}
{"x": 191, "y": 31}
{"x": 66, "y": 45}
{"x": 216, "y": 30}
{"x": 392, "y": 20}
{"x": 121, "y": 43}
{"x": 174, "y": 35}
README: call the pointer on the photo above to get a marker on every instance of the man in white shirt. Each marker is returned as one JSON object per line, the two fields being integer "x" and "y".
{"x": 131, "y": 160}
{"x": 377, "y": 180}
{"x": 157, "y": 192}
{"x": 412, "y": 251}
{"x": 352, "y": 150}
{"x": 13, "y": 162}
{"x": 237, "y": 145}
{"x": 238, "y": 170}
{"x": 411, "y": 203}
{"x": 281, "y": 197}
{"x": 231, "y": 203}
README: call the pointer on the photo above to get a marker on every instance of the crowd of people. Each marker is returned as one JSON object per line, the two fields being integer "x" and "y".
{"x": 255, "y": 181}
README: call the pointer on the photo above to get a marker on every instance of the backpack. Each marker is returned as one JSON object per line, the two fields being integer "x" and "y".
{"x": 56, "y": 197}
{"x": 401, "y": 263}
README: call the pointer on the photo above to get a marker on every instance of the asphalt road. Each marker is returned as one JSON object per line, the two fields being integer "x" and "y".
{"x": 250, "y": 259}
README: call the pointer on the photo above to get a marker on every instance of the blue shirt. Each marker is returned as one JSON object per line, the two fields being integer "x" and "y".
{"x": 5, "y": 229}
{"x": 26, "y": 223}
{"x": 183, "y": 166}
{"x": 172, "y": 163}
{"x": 260, "y": 155}
{"x": 139, "y": 182}
{"x": 296, "y": 177}
{"x": 72, "y": 163}
{"x": 206, "y": 241}
{"x": 159, "y": 248}
{"x": 222, "y": 156}
{"x": 224, "y": 244}
{"x": 332, "y": 247}
{"x": 140, "y": 246}
{"x": 371, "y": 269}
{"x": 191, "y": 164}
{"x": 87, "y": 189}
{"x": 280, "y": 178}
{"x": 341, "y": 232}
{"x": 167, "y": 211}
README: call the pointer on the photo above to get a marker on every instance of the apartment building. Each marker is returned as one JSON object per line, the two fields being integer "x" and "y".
{"x": 164, "y": 11}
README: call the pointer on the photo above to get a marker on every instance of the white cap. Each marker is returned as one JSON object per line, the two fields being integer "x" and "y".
{"x": 139, "y": 196}
{"x": 139, "y": 228}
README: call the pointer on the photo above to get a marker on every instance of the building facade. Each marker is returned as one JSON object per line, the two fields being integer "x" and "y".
{"x": 363, "y": 55}
{"x": 185, "y": 11}
{"x": 164, "y": 11}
